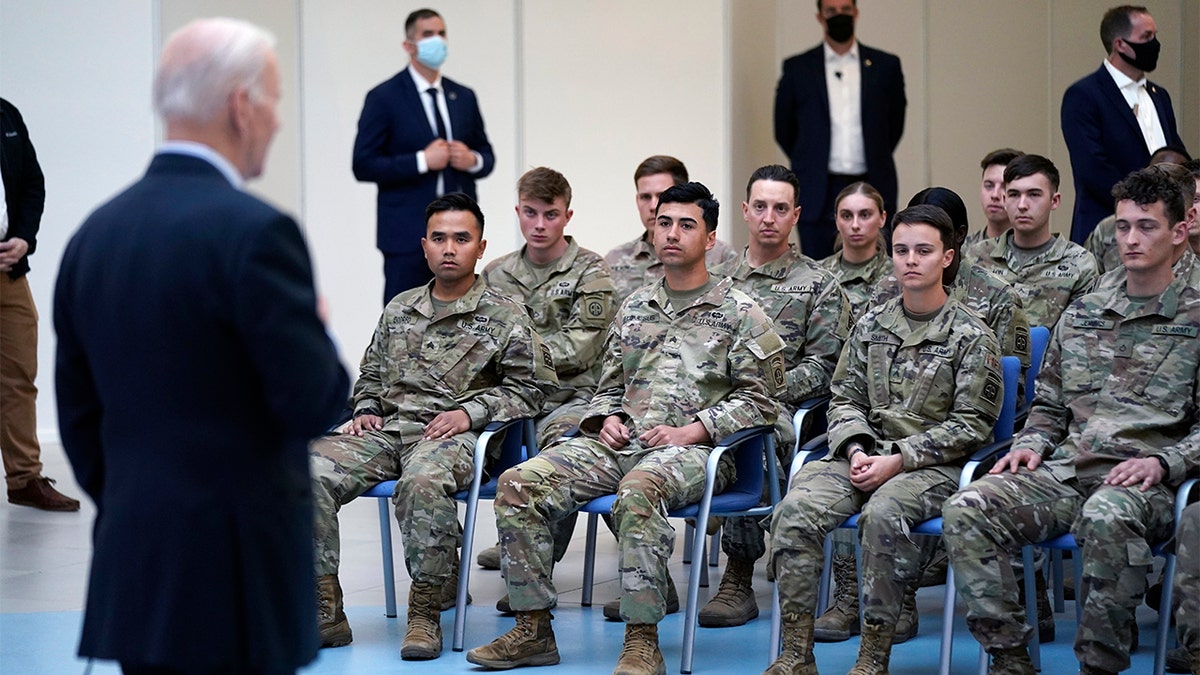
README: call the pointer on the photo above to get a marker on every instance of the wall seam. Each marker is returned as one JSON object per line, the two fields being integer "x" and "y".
{"x": 302, "y": 146}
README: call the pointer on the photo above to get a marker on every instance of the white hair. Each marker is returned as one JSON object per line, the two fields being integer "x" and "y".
{"x": 206, "y": 61}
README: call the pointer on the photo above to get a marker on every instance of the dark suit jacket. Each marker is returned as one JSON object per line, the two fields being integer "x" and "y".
{"x": 24, "y": 185}
{"x": 191, "y": 372}
{"x": 1106, "y": 143}
{"x": 391, "y": 130}
{"x": 802, "y": 123}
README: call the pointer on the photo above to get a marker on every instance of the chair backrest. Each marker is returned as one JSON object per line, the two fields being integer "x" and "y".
{"x": 1011, "y": 367}
{"x": 1039, "y": 338}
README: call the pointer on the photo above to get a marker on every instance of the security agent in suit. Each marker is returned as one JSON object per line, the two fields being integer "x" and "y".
{"x": 1113, "y": 119}
{"x": 420, "y": 136}
{"x": 839, "y": 114}
{"x": 192, "y": 369}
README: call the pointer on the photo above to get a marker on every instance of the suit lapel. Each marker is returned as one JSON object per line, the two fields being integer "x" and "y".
{"x": 415, "y": 104}
{"x": 1117, "y": 100}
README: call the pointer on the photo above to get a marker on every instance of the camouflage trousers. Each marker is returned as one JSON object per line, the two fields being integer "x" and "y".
{"x": 986, "y": 524}
{"x": 1187, "y": 581}
{"x": 820, "y": 498}
{"x": 535, "y": 494}
{"x": 428, "y": 473}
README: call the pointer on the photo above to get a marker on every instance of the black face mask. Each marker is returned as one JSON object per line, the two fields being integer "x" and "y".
{"x": 841, "y": 27}
{"x": 1145, "y": 54}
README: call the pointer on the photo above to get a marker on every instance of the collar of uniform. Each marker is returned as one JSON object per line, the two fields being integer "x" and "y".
{"x": 1005, "y": 245}
{"x": 869, "y": 270}
{"x": 715, "y": 296}
{"x": 467, "y": 303}
{"x": 518, "y": 266}
{"x": 778, "y": 268}
{"x": 1165, "y": 305}
{"x": 641, "y": 248}
{"x": 936, "y": 329}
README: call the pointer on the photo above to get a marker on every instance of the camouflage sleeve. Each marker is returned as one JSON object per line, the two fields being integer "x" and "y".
{"x": 978, "y": 395}
{"x": 1095, "y": 245}
{"x": 526, "y": 371}
{"x": 756, "y": 372}
{"x": 1046, "y": 427}
{"x": 1183, "y": 456}
{"x": 823, "y": 340}
{"x": 610, "y": 390}
{"x": 851, "y": 398}
{"x": 368, "y": 389}
{"x": 1086, "y": 276}
{"x": 579, "y": 341}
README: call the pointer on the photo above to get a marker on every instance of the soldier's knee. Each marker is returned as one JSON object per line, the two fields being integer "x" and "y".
{"x": 638, "y": 495}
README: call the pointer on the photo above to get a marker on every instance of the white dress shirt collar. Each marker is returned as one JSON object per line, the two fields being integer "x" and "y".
{"x": 206, "y": 153}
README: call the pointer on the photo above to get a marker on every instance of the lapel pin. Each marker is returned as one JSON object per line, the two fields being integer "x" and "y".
{"x": 452, "y": 96}
{"x": 868, "y": 62}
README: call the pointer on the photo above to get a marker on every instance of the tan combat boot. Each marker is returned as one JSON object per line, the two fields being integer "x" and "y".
{"x": 423, "y": 634}
{"x": 331, "y": 619}
{"x": 797, "y": 656}
{"x": 529, "y": 643}
{"x": 874, "y": 651}
{"x": 840, "y": 621}
{"x": 449, "y": 595}
{"x": 489, "y": 558}
{"x": 734, "y": 603}
{"x": 1010, "y": 661}
{"x": 640, "y": 655}
{"x": 909, "y": 621}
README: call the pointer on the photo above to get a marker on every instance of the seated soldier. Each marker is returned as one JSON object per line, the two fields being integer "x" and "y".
{"x": 1102, "y": 242}
{"x": 863, "y": 259}
{"x": 999, "y": 306}
{"x": 635, "y": 264}
{"x": 1112, "y": 432}
{"x": 569, "y": 295}
{"x": 1047, "y": 271}
{"x": 446, "y": 359}
{"x": 916, "y": 389}
{"x": 689, "y": 360}
{"x": 991, "y": 198}
{"x": 811, "y": 314}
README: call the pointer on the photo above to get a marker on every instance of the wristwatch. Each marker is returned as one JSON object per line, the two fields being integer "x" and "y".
{"x": 1163, "y": 463}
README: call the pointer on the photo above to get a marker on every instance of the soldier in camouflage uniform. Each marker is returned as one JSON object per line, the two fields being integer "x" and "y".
{"x": 1187, "y": 584}
{"x": 1112, "y": 433}
{"x": 1000, "y": 308}
{"x": 635, "y": 264}
{"x": 916, "y": 389}
{"x": 862, "y": 260}
{"x": 688, "y": 361}
{"x": 1102, "y": 242}
{"x": 446, "y": 359}
{"x": 991, "y": 198}
{"x": 569, "y": 295}
{"x": 811, "y": 314}
{"x": 1047, "y": 271}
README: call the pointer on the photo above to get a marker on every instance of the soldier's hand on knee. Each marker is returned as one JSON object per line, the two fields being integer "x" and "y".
{"x": 614, "y": 433}
{"x": 363, "y": 423}
{"x": 1145, "y": 470}
{"x": 447, "y": 424}
{"x": 1016, "y": 459}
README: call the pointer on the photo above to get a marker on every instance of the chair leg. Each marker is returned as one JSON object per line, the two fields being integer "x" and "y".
{"x": 775, "y": 647}
{"x": 1164, "y": 616}
{"x": 693, "y": 593}
{"x": 1077, "y": 561}
{"x": 464, "y": 572}
{"x": 947, "y": 649}
{"x": 389, "y": 568}
{"x": 714, "y": 550}
{"x": 1060, "y": 596}
{"x": 1031, "y": 617}
{"x": 687, "y": 543}
{"x": 589, "y": 561}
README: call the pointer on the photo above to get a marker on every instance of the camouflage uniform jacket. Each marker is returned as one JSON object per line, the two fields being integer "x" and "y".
{"x": 810, "y": 313}
{"x": 1115, "y": 278}
{"x": 1048, "y": 282}
{"x": 1121, "y": 381}
{"x": 990, "y": 298}
{"x": 859, "y": 282}
{"x": 1102, "y": 244}
{"x": 932, "y": 394}
{"x": 571, "y": 311}
{"x": 481, "y": 354}
{"x": 635, "y": 264}
{"x": 976, "y": 243}
{"x": 717, "y": 361}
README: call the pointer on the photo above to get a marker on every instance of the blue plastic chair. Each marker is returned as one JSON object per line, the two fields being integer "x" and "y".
{"x": 753, "y": 449}
{"x": 1039, "y": 338}
{"x": 1002, "y": 434}
{"x": 513, "y": 451}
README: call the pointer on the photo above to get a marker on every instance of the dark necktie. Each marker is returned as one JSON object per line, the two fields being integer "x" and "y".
{"x": 441, "y": 132}
{"x": 437, "y": 113}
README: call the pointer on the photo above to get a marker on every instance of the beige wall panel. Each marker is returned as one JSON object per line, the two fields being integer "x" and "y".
{"x": 1187, "y": 103}
{"x": 605, "y": 86}
{"x": 280, "y": 183}
{"x": 349, "y": 47}
{"x": 754, "y": 73}
{"x": 987, "y": 89}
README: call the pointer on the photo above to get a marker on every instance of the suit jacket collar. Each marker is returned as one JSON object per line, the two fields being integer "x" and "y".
{"x": 180, "y": 164}
{"x": 1108, "y": 87}
{"x": 206, "y": 153}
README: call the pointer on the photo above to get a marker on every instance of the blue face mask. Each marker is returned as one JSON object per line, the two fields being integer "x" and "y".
{"x": 431, "y": 51}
